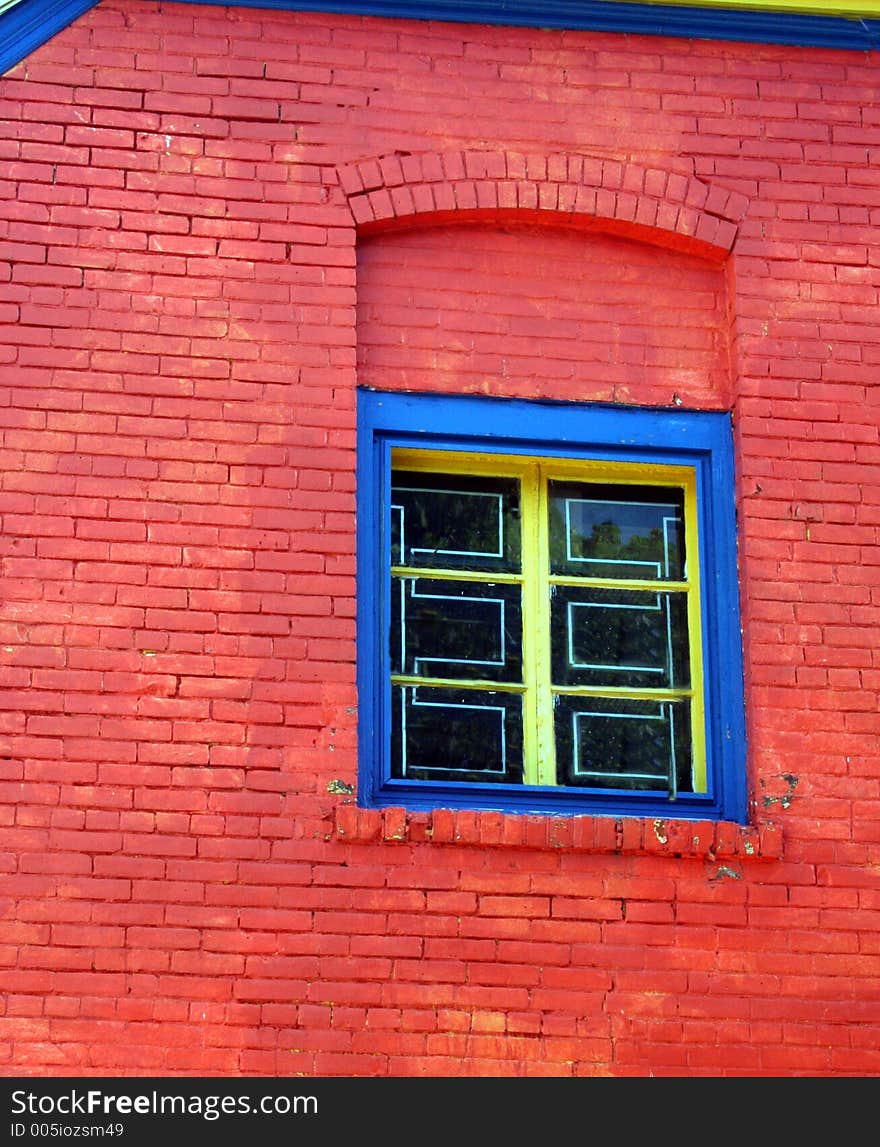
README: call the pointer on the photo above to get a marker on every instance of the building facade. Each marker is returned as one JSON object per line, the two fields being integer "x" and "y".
{"x": 281, "y": 289}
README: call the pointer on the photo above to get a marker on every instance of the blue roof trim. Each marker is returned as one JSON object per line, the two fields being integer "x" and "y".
{"x": 611, "y": 16}
{"x": 32, "y": 22}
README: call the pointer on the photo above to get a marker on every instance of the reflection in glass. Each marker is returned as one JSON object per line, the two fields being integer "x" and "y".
{"x": 444, "y": 628}
{"x": 626, "y": 532}
{"x": 456, "y": 735}
{"x": 621, "y": 743}
{"x": 450, "y": 521}
{"x": 636, "y": 639}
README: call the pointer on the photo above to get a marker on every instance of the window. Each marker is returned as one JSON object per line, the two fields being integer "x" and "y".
{"x": 548, "y": 608}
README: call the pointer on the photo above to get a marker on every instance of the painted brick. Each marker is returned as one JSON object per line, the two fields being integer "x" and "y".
{"x": 188, "y": 299}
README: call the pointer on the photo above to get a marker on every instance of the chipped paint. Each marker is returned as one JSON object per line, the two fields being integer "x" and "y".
{"x": 786, "y": 798}
{"x": 660, "y": 831}
{"x": 729, "y": 873}
{"x": 337, "y": 786}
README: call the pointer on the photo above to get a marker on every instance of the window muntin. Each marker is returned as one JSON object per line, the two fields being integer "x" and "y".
{"x": 530, "y": 639}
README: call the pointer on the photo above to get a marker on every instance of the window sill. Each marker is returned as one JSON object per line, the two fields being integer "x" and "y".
{"x": 714, "y": 840}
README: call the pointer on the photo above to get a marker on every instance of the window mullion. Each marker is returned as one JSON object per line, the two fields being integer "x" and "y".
{"x": 539, "y": 563}
{"x": 530, "y": 510}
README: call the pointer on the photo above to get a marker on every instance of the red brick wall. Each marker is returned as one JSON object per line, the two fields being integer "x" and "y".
{"x": 214, "y": 221}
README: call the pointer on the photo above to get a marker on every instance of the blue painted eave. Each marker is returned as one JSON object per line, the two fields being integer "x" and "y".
{"x": 30, "y": 23}
{"x": 612, "y": 16}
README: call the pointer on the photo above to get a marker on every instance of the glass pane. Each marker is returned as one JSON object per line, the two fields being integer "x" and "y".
{"x": 456, "y": 735}
{"x": 469, "y": 630}
{"x": 628, "y": 638}
{"x": 627, "y": 532}
{"x": 453, "y": 521}
{"x": 619, "y": 743}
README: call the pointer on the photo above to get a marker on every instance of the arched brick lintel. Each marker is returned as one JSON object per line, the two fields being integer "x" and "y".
{"x": 648, "y": 204}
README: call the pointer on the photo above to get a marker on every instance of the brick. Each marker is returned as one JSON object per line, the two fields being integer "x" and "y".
{"x": 189, "y": 295}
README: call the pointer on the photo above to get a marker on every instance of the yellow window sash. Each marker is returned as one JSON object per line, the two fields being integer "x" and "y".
{"x": 536, "y": 688}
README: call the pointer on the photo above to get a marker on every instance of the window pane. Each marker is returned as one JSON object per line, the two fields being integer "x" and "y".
{"x": 450, "y": 521}
{"x": 470, "y": 630}
{"x": 627, "y": 532}
{"x": 633, "y": 639}
{"x": 610, "y": 742}
{"x": 456, "y": 735}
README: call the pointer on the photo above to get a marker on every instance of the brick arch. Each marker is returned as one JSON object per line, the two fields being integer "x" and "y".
{"x": 648, "y": 204}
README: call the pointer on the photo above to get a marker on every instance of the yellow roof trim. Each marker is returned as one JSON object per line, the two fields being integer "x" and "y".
{"x": 853, "y": 8}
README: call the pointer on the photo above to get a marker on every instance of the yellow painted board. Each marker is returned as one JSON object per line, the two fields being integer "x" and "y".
{"x": 851, "y": 8}
{"x": 409, "y": 680}
{"x": 530, "y": 500}
{"x": 481, "y": 576}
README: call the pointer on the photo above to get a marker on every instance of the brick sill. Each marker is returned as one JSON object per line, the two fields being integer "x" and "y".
{"x": 714, "y": 840}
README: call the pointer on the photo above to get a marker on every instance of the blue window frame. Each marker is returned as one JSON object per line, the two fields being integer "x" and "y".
{"x": 548, "y": 608}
